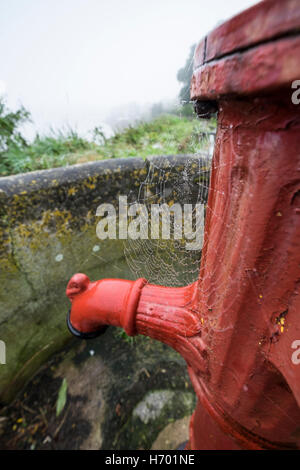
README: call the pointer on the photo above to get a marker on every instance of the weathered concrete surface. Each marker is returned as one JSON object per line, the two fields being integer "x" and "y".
{"x": 47, "y": 233}
{"x": 121, "y": 394}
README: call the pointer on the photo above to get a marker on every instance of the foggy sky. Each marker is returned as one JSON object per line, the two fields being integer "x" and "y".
{"x": 73, "y": 61}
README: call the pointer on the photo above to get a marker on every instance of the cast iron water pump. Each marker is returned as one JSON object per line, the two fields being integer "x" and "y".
{"x": 238, "y": 326}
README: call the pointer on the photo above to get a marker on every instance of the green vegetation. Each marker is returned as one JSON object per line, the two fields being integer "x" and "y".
{"x": 58, "y": 149}
{"x": 166, "y": 134}
{"x": 62, "y": 397}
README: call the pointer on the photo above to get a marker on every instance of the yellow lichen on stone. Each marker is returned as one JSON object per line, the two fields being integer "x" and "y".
{"x": 72, "y": 191}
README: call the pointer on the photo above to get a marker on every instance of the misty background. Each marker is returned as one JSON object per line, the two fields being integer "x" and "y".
{"x": 82, "y": 63}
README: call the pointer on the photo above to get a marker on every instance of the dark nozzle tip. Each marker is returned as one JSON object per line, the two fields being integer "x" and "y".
{"x": 205, "y": 109}
{"x": 81, "y": 334}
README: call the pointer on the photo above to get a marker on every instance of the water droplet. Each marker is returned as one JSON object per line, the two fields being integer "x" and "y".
{"x": 59, "y": 257}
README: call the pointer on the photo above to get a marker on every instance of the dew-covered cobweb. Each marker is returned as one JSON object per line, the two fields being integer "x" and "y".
{"x": 169, "y": 180}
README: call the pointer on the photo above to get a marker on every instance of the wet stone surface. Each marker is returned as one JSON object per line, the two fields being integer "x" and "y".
{"x": 122, "y": 393}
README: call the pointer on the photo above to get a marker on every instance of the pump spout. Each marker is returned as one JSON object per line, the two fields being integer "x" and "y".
{"x": 167, "y": 314}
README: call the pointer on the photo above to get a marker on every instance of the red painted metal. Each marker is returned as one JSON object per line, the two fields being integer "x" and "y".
{"x": 266, "y": 68}
{"x": 236, "y": 326}
{"x": 263, "y": 22}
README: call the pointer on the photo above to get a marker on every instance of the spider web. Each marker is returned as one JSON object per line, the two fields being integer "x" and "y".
{"x": 182, "y": 179}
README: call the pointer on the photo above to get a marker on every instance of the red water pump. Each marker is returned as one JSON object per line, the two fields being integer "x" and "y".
{"x": 238, "y": 325}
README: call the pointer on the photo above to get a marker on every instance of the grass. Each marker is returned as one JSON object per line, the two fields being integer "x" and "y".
{"x": 58, "y": 149}
{"x": 166, "y": 134}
